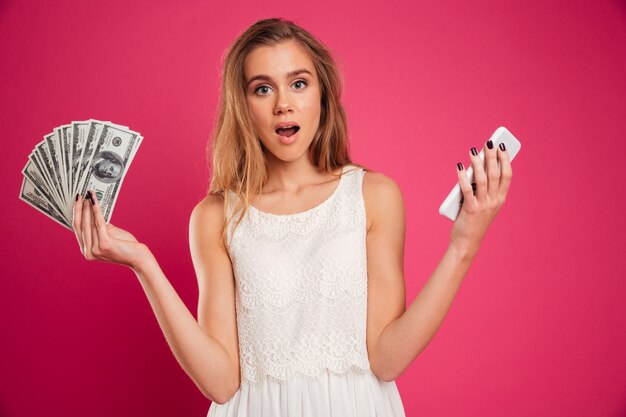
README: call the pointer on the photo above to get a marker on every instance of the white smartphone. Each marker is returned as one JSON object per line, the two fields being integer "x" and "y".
{"x": 451, "y": 206}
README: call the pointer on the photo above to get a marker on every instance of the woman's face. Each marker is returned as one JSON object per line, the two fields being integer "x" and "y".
{"x": 282, "y": 88}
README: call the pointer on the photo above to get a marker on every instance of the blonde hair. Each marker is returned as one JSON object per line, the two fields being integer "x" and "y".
{"x": 237, "y": 157}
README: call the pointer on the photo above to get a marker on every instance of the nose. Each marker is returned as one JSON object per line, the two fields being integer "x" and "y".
{"x": 283, "y": 103}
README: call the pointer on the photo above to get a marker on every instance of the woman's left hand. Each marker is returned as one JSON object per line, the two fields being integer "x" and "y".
{"x": 480, "y": 208}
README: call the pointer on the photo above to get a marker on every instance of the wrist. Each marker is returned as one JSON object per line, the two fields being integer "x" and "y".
{"x": 144, "y": 261}
{"x": 464, "y": 250}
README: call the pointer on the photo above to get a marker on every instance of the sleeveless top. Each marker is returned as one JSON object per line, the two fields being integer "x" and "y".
{"x": 301, "y": 304}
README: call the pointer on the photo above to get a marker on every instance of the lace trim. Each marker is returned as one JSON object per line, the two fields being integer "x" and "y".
{"x": 282, "y": 360}
{"x": 312, "y": 378}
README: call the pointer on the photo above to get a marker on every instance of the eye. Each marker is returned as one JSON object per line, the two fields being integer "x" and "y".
{"x": 301, "y": 83}
{"x": 262, "y": 90}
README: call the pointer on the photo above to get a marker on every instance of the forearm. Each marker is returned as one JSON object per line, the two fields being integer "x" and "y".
{"x": 203, "y": 358}
{"x": 404, "y": 338}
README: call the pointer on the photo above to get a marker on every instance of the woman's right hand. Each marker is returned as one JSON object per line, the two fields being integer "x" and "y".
{"x": 103, "y": 241}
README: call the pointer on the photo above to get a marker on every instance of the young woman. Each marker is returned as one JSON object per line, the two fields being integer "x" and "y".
{"x": 298, "y": 251}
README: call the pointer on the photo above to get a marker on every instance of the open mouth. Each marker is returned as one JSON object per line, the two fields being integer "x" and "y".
{"x": 287, "y": 131}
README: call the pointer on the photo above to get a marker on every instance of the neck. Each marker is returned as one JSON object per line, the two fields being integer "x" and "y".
{"x": 292, "y": 176}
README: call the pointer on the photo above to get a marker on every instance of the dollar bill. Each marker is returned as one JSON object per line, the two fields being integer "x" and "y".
{"x": 32, "y": 197}
{"x": 44, "y": 165}
{"x": 65, "y": 137}
{"x": 37, "y": 181}
{"x": 53, "y": 161}
{"x": 79, "y": 137}
{"x": 74, "y": 158}
{"x": 111, "y": 158}
{"x": 91, "y": 141}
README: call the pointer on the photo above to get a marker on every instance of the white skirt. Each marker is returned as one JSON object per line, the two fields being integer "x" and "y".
{"x": 352, "y": 394}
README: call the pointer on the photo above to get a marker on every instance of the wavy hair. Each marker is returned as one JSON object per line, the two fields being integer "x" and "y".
{"x": 237, "y": 161}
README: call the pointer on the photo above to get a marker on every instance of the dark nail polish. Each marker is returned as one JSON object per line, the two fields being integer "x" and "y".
{"x": 459, "y": 166}
{"x": 76, "y": 197}
{"x": 490, "y": 144}
{"x": 473, "y": 188}
{"x": 502, "y": 147}
{"x": 474, "y": 151}
{"x": 90, "y": 197}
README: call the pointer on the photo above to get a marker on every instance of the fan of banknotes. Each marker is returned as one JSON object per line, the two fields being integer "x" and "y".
{"x": 74, "y": 158}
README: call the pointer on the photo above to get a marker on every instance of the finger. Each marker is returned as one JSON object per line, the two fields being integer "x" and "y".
{"x": 95, "y": 239}
{"x": 506, "y": 172}
{"x": 99, "y": 222}
{"x": 99, "y": 229}
{"x": 480, "y": 177}
{"x": 86, "y": 228}
{"x": 77, "y": 212}
{"x": 466, "y": 188}
{"x": 493, "y": 172}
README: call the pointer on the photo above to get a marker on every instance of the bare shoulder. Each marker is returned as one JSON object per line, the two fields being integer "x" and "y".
{"x": 377, "y": 182}
{"x": 207, "y": 215}
{"x": 210, "y": 204}
{"x": 206, "y": 225}
{"x": 382, "y": 196}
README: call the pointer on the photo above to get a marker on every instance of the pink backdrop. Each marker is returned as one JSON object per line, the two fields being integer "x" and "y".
{"x": 539, "y": 325}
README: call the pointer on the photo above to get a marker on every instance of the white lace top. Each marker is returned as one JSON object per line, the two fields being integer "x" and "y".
{"x": 301, "y": 297}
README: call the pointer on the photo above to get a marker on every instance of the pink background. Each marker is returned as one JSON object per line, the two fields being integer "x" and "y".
{"x": 539, "y": 325}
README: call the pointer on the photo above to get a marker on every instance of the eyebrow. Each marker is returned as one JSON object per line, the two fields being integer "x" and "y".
{"x": 290, "y": 74}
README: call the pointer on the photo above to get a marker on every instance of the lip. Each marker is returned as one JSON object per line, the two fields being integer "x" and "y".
{"x": 285, "y": 124}
{"x": 287, "y": 140}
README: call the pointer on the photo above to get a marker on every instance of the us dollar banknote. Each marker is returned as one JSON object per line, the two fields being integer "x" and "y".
{"x": 30, "y": 195}
{"x": 74, "y": 158}
{"x": 111, "y": 157}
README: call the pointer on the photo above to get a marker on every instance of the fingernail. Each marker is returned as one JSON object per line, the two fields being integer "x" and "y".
{"x": 490, "y": 144}
{"x": 76, "y": 197}
{"x": 502, "y": 147}
{"x": 473, "y": 188}
{"x": 90, "y": 197}
{"x": 474, "y": 151}
{"x": 459, "y": 166}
